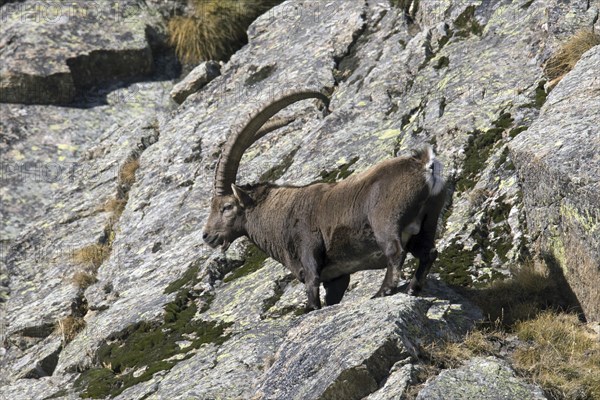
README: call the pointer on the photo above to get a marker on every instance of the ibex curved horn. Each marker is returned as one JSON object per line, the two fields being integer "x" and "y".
{"x": 236, "y": 145}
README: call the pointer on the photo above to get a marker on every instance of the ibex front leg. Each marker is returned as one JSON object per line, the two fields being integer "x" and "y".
{"x": 311, "y": 268}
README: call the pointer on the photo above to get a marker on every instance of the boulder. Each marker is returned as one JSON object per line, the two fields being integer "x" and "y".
{"x": 52, "y": 52}
{"x": 195, "y": 80}
{"x": 558, "y": 164}
{"x": 486, "y": 378}
{"x": 347, "y": 351}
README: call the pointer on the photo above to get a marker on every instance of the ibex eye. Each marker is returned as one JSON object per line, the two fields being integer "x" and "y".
{"x": 227, "y": 207}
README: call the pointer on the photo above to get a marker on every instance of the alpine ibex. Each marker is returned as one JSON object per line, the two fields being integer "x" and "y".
{"x": 324, "y": 232}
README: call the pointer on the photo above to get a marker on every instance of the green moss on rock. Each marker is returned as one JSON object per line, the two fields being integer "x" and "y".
{"x": 453, "y": 264}
{"x": 478, "y": 150}
{"x": 517, "y": 130}
{"x": 540, "y": 94}
{"x": 148, "y": 347}
{"x": 278, "y": 170}
{"x": 466, "y": 24}
{"x": 339, "y": 173}
{"x": 189, "y": 277}
{"x": 442, "y": 62}
{"x": 255, "y": 259}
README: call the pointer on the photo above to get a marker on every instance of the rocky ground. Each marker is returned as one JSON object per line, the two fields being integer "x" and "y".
{"x": 167, "y": 317}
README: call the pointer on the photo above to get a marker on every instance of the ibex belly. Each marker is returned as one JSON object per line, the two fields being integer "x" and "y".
{"x": 351, "y": 251}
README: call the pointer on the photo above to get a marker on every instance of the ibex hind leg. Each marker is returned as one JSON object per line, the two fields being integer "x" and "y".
{"x": 423, "y": 248}
{"x": 417, "y": 283}
{"x": 335, "y": 289}
{"x": 395, "y": 253}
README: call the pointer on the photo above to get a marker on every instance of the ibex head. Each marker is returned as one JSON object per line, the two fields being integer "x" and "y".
{"x": 227, "y": 219}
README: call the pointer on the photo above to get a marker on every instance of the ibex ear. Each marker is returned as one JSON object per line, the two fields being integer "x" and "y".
{"x": 242, "y": 196}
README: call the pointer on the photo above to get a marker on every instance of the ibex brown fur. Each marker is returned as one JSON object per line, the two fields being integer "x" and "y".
{"x": 326, "y": 231}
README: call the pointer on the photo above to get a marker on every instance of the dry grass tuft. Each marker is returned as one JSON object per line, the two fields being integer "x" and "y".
{"x": 451, "y": 354}
{"x": 92, "y": 256}
{"x": 563, "y": 61}
{"x": 553, "y": 349}
{"x": 83, "y": 279}
{"x": 562, "y": 355}
{"x": 115, "y": 206}
{"x": 70, "y": 326}
{"x": 127, "y": 171}
{"x": 216, "y": 29}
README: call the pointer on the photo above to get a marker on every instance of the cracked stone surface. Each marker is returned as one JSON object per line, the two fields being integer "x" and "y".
{"x": 465, "y": 76}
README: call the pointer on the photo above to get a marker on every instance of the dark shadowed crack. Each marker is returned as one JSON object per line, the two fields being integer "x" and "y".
{"x": 347, "y": 63}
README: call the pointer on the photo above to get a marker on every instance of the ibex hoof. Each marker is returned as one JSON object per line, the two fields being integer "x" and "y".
{"x": 414, "y": 290}
{"x": 383, "y": 293}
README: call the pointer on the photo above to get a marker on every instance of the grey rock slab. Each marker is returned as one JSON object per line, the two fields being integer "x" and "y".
{"x": 35, "y": 362}
{"x": 346, "y": 351}
{"x": 244, "y": 301}
{"x": 40, "y": 264}
{"x": 243, "y": 359}
{"x": 41, "y": 147}
{"x": 27, "y": 389}
{"x": 195, "y": 80}
{"x": 99, "y": 42}
{"x": 558, "y": 164}
{"x": 481, "y": 378}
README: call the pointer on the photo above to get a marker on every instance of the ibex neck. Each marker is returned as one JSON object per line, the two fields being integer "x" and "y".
{"x": 267, "y": 223}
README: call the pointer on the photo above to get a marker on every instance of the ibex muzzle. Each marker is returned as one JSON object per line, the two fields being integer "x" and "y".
{"x": 325, "y": 232}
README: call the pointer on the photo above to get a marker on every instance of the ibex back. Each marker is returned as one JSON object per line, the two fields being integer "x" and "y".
{"x": 326, "y": 231}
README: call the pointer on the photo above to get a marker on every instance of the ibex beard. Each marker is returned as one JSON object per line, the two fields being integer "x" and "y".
{"x": 324, "y": 232}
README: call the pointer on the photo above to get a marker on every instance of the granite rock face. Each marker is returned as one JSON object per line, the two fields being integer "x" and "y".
{"x": 166, "y": 316}
{"x": 558, "y": 160}
{"x": 481, "y": 378}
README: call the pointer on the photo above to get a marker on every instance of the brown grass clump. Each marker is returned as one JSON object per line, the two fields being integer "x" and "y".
{"x": 92, "y": 256}
{"x": 215, "y": 30}
{"x": 563, "y": 61}
{"x": 115, "y": 206}
{"x": 452, "y": 354}
{"x": 70, "y": 326}
{"x": 127, "y": 171}
{"x": 84, "y": 279}
{"x": 562, "y": 355}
